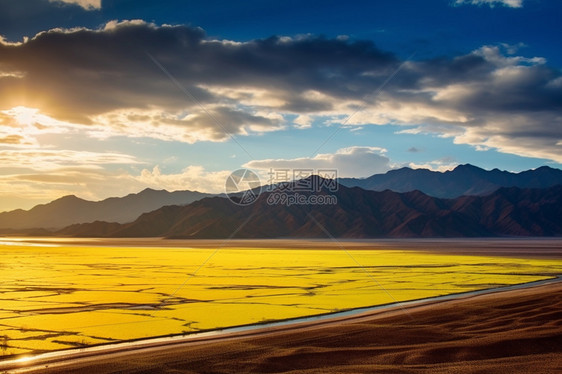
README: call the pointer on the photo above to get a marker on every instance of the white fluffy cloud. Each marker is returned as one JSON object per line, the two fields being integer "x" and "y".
{"x": 86, "y": 4}
{"x": 492, "y": 3}
{"x": 349, "y": 162}
{"x": 193, "y": 177}
{"x": 441, "y": 165}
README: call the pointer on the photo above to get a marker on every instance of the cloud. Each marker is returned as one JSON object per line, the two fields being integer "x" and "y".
{"x": 45, "y": 159}
{"x": 193, "y": 177}
{"x": 115, "y": 81}
{"x": 21, "y": 127}
{"x": 86, "y": 4}
{"x": 215, "y": 123}
{"x": 39, "y": 187}
{"x": 222, "y": 85}
{"x": 86, "y": 178}
{"x": 492, "y": 3}
{"x": 349, "y": 162}
{"x": 42, "y": 175}
{"x": 444, "y": 164}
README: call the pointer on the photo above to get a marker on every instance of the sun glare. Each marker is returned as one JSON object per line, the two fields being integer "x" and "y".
{"x": 32, "y": 117}
{"x": 24, "y": 115}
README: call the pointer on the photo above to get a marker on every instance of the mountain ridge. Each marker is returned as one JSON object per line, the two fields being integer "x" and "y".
{"x": 359, "y": 213}
{"x": 70, "y": 209}
{"x": 463, "y": 180}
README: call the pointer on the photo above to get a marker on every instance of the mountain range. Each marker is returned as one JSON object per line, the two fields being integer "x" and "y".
{"x": 412, "y": 203}
{"x": 358, "y": 213}
{"x": 463, "y": 180}
{"x": 70, "y": 209}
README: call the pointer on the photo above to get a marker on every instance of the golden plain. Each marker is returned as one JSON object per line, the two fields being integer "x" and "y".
{"x": 63, "y": 296}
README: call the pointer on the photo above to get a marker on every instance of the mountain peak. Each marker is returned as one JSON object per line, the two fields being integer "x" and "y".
{"x": 69, "y": 198}
{"x": 545, "y": 168}
{"x": 466, "y": 167}
{"x": 149, "y": 190}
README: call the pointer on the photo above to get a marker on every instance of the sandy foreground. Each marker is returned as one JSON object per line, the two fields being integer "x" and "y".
{"x": 516, "y": 331}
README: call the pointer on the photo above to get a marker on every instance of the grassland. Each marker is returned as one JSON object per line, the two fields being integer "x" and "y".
{"x": 64, "y": 296}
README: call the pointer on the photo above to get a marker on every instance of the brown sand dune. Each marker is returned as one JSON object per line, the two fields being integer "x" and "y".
{"x": 516, "y": 331}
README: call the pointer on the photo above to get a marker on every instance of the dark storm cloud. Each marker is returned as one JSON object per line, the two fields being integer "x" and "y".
{"x": 19, "y": 18}
{"x": 94, "y": 71}
{"x": 493, "y": 97}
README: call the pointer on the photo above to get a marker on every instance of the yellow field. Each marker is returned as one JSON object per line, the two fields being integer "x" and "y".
{"x": 65, "y": 297}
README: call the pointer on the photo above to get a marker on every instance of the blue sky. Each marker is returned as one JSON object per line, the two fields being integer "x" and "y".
{"x": 105, "y": 98}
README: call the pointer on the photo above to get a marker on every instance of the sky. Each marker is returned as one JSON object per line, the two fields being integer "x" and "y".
{"x": 104, "y": 98}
